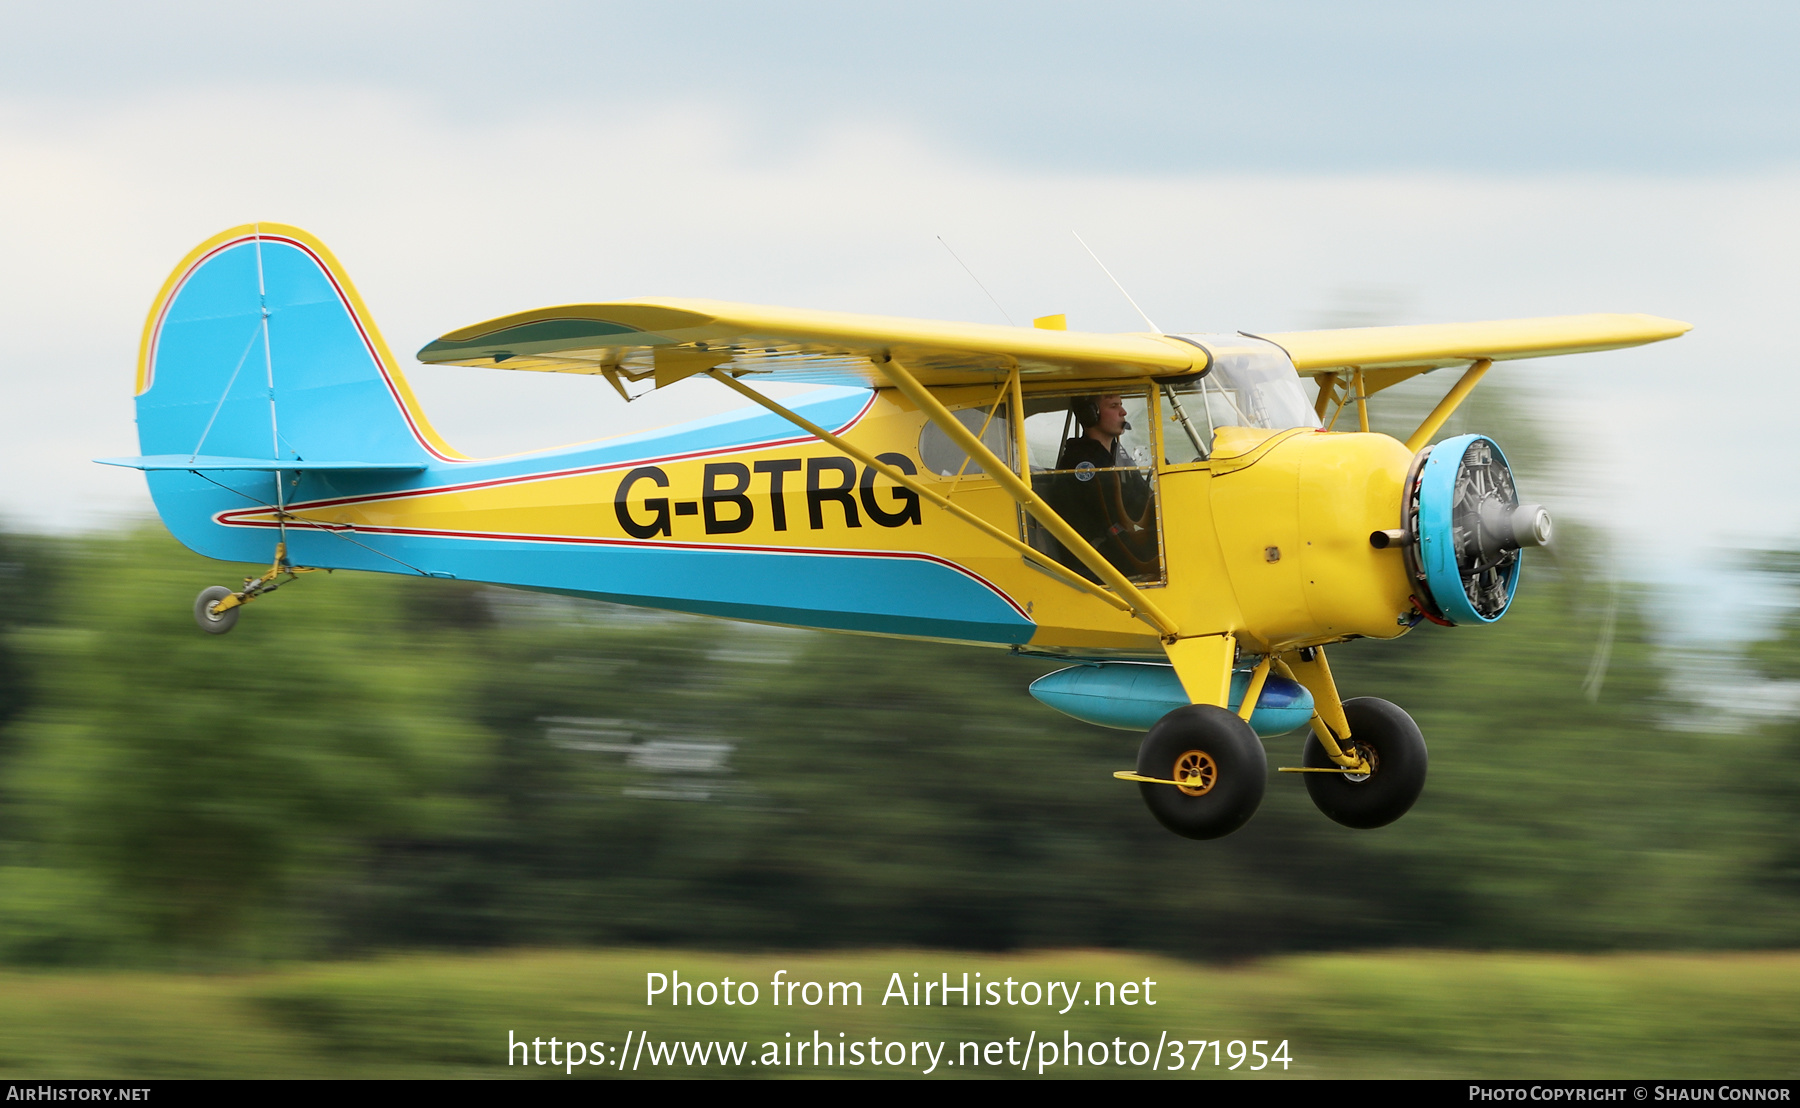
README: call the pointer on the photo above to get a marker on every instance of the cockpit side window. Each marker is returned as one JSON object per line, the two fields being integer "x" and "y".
{"x": 943, "y": 458}
{"x": 1051, "y": 421}
{"x": 1093, "y": 460}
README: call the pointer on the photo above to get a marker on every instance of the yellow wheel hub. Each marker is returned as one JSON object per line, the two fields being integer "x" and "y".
{"x": 1197, "y": 773}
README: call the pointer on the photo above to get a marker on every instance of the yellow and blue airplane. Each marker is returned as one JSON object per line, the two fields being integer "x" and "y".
{"x": 1172, "y": 513}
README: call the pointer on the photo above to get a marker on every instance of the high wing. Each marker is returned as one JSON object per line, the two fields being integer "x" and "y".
{"x": 673, "y": 339}
{"x": 1436, "y": 345}
{"x": 668, "y": 340}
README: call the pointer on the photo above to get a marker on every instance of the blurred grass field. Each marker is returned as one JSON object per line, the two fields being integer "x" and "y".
{"x": 1399, "y": 1014}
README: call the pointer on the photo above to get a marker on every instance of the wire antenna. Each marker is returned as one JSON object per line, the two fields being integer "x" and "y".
{"x": 978, "y": 284}
{"x": 1109, "y": 276}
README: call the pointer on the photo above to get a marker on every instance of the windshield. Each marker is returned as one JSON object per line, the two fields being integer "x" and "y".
{"x": 1251, "y": 384}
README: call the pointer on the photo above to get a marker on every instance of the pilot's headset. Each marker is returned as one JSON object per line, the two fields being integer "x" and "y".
{"x": 1087, "y": 411}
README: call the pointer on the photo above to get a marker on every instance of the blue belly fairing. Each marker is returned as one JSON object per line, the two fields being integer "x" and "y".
{"x": 1132, "y": 696}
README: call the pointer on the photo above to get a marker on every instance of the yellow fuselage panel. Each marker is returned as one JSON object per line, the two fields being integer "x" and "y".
{"x": 1294, "y": 527}
{"x": 1351, "y": 486}
{"x": 1200, "y": 592}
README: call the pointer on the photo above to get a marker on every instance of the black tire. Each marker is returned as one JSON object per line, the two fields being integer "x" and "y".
{"x": 210, "y": 623}
{"x": 1207, "y": 743}
{"x": 1391, "y": 740}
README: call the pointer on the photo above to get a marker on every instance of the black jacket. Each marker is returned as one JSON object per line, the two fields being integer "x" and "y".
{"x": 1084, "y": 497}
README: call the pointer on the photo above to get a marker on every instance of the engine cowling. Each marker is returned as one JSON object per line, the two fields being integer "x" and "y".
{"x": 1465, "y": 530}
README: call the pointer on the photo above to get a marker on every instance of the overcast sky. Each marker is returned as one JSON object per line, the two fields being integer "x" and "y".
{"x": 1255, "y": 166}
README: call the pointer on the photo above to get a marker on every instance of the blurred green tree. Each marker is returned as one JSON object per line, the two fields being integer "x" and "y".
{"x": 201, "y": 780}
{"x": 28, "y": 587}
{"x": 1774, "y": 779}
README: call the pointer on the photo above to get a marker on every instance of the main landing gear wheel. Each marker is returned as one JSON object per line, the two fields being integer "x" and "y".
{"x": 1221, "y": 766}
{"x": 1391, "y": 743}
{"x": 203, "y": 614}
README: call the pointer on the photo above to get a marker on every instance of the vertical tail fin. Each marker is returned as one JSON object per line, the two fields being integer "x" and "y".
{"x": 259, "y": 347}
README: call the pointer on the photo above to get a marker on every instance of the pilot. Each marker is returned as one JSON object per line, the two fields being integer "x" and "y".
{"x": 1101, "y": 492}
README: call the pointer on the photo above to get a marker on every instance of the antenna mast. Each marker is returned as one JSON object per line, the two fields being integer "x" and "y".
{"x": 1109, "y": 276}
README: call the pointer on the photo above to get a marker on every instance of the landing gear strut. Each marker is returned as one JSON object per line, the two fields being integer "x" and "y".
{"x": 216, "y": 608}
{"x": 1365, "y": 760}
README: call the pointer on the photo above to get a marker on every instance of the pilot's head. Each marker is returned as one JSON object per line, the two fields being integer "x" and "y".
{"x": 1104, "y": 413}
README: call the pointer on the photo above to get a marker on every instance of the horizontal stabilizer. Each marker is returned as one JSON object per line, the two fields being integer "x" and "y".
{"x": 197, "y": 462}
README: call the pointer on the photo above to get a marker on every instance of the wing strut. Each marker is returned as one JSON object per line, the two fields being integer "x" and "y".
{"x": 1451, "y": 401}
{"x": 904, "y": 480}
{"x": 1140, "y": 605}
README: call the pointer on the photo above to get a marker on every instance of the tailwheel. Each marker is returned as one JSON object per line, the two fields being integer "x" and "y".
{"x": 1388, "y": 740}
{"x": 1201, "y": 771}
{"x": 216, "y": 609}
{"x": 211, "y": 621}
